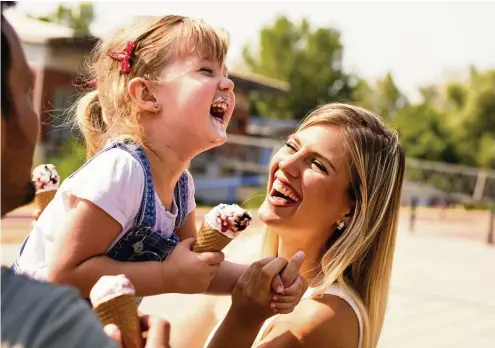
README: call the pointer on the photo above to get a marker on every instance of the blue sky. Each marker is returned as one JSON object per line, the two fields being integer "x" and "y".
{"x": 419, "y": 42}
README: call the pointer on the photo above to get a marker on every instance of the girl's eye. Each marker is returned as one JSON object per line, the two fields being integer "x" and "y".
{"x": 208, "y": 70}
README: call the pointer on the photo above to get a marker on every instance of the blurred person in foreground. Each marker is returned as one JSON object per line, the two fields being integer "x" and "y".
{"x": 38, "y": 314}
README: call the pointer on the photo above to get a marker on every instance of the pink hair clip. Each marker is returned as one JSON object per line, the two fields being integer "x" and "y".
{"x": 124, "y": 57}
{"x": 91, "y": 83}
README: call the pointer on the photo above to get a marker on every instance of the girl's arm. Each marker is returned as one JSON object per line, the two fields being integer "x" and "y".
{"x": 78, "y": 258}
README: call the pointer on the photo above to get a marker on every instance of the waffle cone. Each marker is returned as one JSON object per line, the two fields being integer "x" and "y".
{"x": 209, "y": 239}
{"x": 122, "y": 311}
{"x": 42, "y": 199}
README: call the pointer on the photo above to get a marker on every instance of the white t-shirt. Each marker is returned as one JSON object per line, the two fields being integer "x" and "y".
{"x": 114, "y": 181}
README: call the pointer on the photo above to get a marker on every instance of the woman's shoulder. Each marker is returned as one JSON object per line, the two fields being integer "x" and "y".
{"x": 315, "y": 322}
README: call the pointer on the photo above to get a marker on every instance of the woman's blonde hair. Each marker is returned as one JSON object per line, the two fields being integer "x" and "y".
{"x": 109, "y": 111}
{"x": 360, "y": 259}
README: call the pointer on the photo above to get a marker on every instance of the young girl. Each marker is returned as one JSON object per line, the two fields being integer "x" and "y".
{"x": 163, "y": 96}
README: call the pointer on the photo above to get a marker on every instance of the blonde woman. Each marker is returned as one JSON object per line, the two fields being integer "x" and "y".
{"x": 333, "y": 192}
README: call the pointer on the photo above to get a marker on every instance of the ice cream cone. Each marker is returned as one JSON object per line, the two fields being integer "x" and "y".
{"x": 114, "y": 301}
{"x": 209, "y": 239}
{"x": 46, "y": 182}
{"x": 122, "y": 311}
{"x": 42, "y": 199}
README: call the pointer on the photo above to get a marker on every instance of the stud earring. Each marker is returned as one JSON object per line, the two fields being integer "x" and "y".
{"x": 340, "y": 226}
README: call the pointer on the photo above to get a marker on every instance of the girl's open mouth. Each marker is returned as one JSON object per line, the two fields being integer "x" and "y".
{"x": 219, "y": 107}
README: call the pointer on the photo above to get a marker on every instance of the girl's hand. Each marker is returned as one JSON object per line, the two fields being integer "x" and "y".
{"x": 191, "y": 272}
{"x": 252, "y": 295}
{"x": 285, "y": 302}
{"x": 294, "y": 286}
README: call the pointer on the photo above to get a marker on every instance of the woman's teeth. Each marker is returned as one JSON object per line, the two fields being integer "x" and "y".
{"x": 284, "y": 190}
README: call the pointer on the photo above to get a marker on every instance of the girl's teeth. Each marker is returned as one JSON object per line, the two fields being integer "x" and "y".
{"x": 221, "y": 102}
{"x": 221, "y": 107}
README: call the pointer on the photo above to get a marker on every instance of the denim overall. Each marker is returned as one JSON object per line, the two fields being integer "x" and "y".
{"x": 141, "y": 243}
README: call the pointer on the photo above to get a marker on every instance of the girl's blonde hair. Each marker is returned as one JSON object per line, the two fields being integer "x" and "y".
{"x": 109, "y": 111}
{"x": 360, "y": 260}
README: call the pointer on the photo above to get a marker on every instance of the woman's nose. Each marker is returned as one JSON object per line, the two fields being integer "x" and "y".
{"x": 289, "y": 165}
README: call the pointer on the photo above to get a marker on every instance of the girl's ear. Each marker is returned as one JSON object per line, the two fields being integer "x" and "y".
{"x": 140, "y": 91}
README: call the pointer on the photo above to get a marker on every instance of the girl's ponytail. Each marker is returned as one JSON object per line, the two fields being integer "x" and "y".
{"x": 89, "y": 118}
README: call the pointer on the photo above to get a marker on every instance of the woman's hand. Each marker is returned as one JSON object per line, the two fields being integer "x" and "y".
{"x": 252, "y": 297}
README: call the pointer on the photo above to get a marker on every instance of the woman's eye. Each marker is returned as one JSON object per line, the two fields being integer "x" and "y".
{"x": 320, "y": 166}
{"x": 291, "y": 146}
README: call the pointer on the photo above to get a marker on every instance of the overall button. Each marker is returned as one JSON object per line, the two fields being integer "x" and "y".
{"x": 138, "y": 247}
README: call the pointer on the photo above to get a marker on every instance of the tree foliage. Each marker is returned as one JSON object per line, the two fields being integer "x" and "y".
{"x": 309, "y": 59}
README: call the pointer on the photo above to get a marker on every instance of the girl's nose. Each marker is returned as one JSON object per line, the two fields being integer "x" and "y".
{"x": 226, "y": 84}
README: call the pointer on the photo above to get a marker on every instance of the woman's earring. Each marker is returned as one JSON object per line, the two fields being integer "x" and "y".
{"x": 156, "y": 106}
{"x": 340, "y": 226}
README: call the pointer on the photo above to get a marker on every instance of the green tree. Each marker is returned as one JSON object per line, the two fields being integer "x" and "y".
{"x": 471, "y": 107}
{"x": 309, "y": 59}
{"x": 424, "y": 134}
{"x": 383, "y": 97}
{"x": 78, "y": 16}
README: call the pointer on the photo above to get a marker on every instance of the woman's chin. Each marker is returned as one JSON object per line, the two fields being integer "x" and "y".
{"x": 268, "y": 214}
{"x": 264, "y": 212}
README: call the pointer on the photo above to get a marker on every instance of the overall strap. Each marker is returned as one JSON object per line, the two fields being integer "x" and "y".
{"x": 181, "y": 193}
{"x": 146, "y": 215}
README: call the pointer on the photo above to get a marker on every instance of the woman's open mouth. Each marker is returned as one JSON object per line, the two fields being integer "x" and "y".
{"x": 282, "y": 195}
